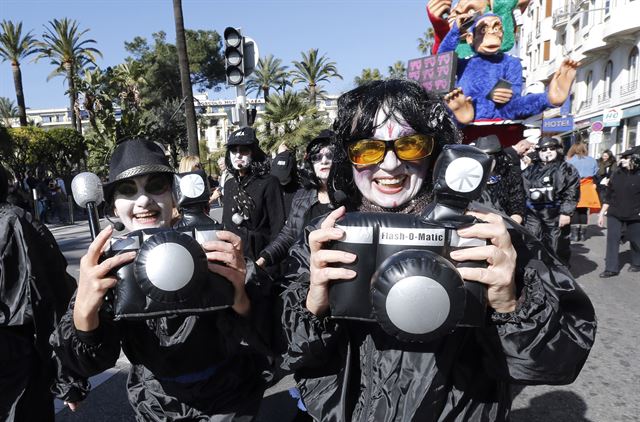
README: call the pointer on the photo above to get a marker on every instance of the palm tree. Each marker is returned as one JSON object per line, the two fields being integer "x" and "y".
{"x": 398, "y": 70}
{"x": 425, "y": 44}
{"x": 269, "y": 73}
{"x": 63, "y": 46}
{"x": 130, "y": 78}
{"x": 286, "y": 113}
{"x": 185, "y": 78}
{"x": 285, "y": 110}
{"x": 13, "y": 48}
{"x": 312, "y": 70}
{"x": 8, "y": 110}
{"x": 367, "y": 75}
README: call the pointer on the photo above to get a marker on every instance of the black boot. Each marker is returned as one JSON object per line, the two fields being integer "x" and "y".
{"x": 575, "y": 233}
{"x": 583, "y": 233}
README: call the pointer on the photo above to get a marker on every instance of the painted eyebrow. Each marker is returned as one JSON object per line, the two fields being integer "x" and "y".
{"x": 406, "y": 130}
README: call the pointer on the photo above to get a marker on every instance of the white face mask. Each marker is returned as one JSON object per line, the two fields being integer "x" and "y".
{"x": 240, "y": 158}
{"x": 144, "y": 202}
{"x": 548, "y": 156}
{"x": 321, "y": 168}
{"x": 391, "y": 182}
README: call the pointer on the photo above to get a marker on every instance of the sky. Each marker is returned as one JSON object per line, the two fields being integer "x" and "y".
{"x": 355, "y": 34}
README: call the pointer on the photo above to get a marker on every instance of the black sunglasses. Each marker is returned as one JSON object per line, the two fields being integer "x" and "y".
{"x": 317, "y": 157}
{"x": 156, "y": 184}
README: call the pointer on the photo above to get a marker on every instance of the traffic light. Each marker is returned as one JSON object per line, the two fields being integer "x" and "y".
{"x": 234, "y": 56}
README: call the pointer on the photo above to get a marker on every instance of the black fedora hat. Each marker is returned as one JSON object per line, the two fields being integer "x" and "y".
{"x": 488, "y": 144}
{"x": 135, "y": 157}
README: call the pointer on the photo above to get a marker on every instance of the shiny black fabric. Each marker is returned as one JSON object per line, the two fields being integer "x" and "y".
{"x": 353, "y": 371}
{"x": 204, "y": 367}
{"x": 542, "y": 220}
{"x": 34, "y": 292}
{"x": 278, "y": 248}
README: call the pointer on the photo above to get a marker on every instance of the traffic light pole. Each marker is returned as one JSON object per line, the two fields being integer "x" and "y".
{"x": 241, "y": 104}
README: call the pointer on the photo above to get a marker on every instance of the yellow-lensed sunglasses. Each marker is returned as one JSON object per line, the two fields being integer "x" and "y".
{"x": 366, "y": 152}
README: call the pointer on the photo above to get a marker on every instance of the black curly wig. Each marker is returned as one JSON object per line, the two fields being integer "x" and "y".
{"x": 405, "y": 100}
{"x": 307, "y": 173}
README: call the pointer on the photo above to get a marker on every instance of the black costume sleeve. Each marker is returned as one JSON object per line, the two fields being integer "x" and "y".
{"x": 311, "y": 339}
{"x": 256, "y": 329}
{"x": 86, "y": 353}
{"x": 568, "y": 188}
{"x": 611, "y": 188}
{"x": 278, "y": 248}
{"x": 547, "y": 339}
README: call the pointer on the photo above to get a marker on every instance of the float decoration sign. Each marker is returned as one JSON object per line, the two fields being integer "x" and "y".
{"x": 435, "y": 73}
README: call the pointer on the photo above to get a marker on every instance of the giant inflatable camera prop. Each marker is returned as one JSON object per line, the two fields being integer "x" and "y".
{"x": 542, "y": 194}
{"x": 170, "y": 273}
{"x": 405, "y": 279}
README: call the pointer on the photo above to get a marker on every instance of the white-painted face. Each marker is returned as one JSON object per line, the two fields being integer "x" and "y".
{"x": 391, "y": 182}
{"x": 624, "y": 162}
{"x": 240, "y": 157}
{"x": 322, "y": 163}
{"x": 144, "y": 202}
{"x": 547, "y": 155}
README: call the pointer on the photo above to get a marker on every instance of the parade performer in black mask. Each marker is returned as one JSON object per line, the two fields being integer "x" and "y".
{"x": 184, "y": 367}
{"x": 253, "y": 206}
{"x": 389, "y": 134}
{"x": 553, "y": 189}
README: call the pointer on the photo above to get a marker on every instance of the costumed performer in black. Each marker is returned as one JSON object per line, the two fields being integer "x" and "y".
{"x": 35, "y": 290}
{"x": 253, "y": 205}
{"x": 309, "y": 202}
{"x": 349, "y": 370}
{"x": 191, "y": 367}
{"x": 504, "y": 191}
{"x": 553, "y": 188}
{"x": 621, "y": 206}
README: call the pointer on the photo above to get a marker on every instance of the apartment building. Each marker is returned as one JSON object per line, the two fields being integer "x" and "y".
{"x": 605, "y": 36}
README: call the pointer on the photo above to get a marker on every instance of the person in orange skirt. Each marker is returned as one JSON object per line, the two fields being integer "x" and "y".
{"x": 587, "y": 169}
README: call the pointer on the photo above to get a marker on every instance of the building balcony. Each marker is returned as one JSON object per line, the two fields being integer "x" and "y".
{"x": 584, "y": 106}
{"x": 561, "y": 16}
{"x": 629, "y": 89}
{"x": 604, "y": 98}
{"x": 622, "y": 22}
{"x": 594, "y": 43}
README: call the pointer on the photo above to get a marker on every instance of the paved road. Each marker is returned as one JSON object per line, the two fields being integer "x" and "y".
{"x": 607, "y": 390}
